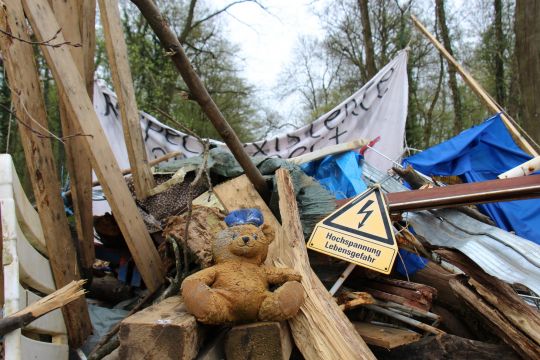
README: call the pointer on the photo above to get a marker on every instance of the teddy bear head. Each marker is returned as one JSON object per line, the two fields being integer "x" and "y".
{"x": 243, "y": 240}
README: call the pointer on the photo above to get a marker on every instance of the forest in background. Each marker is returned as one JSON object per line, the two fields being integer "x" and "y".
{"x": 498, "y": 41}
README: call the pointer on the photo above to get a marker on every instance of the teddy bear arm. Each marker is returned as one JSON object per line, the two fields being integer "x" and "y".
{"x": 278, "y": 276}
{"x": 206, "y": 276}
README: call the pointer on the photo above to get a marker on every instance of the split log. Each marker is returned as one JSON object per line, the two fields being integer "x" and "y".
{"x": 320, "y": 330}
{"x": 80, "y": 108}
{"x": 161, "y": 331}
{"x": 24, "y": 82}
{"x": 516, "y": 339}
{"x": 385, "y": 336}
{"x": 448, "y": 347}
{"x": 498, "y": 294}
{"x": 259, "y": 341}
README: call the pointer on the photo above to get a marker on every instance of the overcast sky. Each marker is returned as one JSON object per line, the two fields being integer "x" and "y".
{"x": 267, "y": 38}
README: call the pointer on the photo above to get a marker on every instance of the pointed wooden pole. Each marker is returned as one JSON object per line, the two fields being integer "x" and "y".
{"x": 475, "y": 87}
{"x": 30, "y": 109}
{"x": 143, "y": 180}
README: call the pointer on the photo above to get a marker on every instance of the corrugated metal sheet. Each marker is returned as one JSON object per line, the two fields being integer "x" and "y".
{"x": 500, "y": 253}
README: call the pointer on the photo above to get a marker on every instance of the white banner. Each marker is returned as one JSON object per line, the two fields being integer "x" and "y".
{"x": 379, "y": 108}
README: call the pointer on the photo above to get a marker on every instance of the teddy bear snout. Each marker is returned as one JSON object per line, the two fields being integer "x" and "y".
{"x": 245, "y": 239}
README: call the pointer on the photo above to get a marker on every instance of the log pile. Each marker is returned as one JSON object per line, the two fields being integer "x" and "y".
{"x": 158, "y": 233}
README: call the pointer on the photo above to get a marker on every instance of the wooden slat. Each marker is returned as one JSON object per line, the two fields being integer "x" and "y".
{"x": 88, "y": 37}
{"x": 32, "y": 349}
{"x": 320, "y": 330}
{"x": 80, "y": 108}
{"x": 69, "y": 15}
{"x": 143, "y": 179}
{"x": 385, "y": 336}
{"x": 28, "y": 101}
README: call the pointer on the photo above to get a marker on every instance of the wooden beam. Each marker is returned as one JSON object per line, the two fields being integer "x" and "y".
{"x": 259, "y": 341}
{"x": 475, "y": 87}
{"x": 88, "y": 37}
{"x": 521, "y": 343}
{"x": 161, "y": 331}
{"x": 384, "y": 336}
{"x": 143, "y": 180}
{"x": 80, "y": 107}
{"x": 28, "y": 101}
{"x": 320, "y": 330}
{"x": 70, "y": 16}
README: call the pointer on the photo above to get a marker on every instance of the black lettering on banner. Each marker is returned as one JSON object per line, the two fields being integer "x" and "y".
{"x": 309, "y": 132}
{"x": 151, "y": 126}
{"x": 384, "y": 79}
{"x": 312, "y": 147}
{"x": 171, "y": 134}
{"x": 363, "y": 104}
{"x": 347, "y": 109}
{"x": 185, "y": 139}
{"x": 260, "y": 149}
{"x": 294, "y": 152}
{"x": 276, "y": 144}
{"x": 338, "y": 134}
{"x": 331, "y": 117}
{"x": 291, "y": 138}
{"x": 156, "y": 150}
{"x": 109, "y": 105}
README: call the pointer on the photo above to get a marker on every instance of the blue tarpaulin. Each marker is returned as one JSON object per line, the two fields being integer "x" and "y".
{"x": 478, "y": 154}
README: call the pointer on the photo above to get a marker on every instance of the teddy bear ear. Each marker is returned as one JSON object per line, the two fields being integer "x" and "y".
{"x": 268, "y": 232}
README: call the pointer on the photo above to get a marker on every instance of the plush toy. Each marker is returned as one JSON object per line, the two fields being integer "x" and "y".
{"x": 236, "y": 288}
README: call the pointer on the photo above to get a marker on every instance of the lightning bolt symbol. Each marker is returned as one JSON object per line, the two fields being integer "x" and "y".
{"x": 367, "y": 214}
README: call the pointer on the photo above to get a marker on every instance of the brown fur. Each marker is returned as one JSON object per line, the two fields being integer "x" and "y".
{"x": 236, "y": 289}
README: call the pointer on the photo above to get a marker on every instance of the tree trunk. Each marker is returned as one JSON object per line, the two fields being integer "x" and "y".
{"x": 371, "y": 69}
{"x": 527, "y": 30}
{"x": 499, "y": 54}
{"x": 452, "y": 81}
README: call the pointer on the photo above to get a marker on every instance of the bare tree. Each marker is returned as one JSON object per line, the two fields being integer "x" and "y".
{"x": 452, "y": 81}
{"x": 527, "y": 51}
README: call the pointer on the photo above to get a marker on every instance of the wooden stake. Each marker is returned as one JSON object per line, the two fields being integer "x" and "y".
{"x": 169, "y": 41}
{"x": 30, "y": 109}
{"x": 320, "y": 330}
{"x": 143, "y": 180}
{"x": 80, "y": 107}
{"x": 475, "y": 87}
{"x": 70, "y": 17}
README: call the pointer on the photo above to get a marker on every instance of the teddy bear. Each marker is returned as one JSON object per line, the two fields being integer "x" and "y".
{"x": 237, "y": 288}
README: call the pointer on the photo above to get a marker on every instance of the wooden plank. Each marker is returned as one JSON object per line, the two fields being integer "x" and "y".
{"x": 161, "y": 331}
{"x": 24, "y": 81}
{"x": 69, "y": 15}
{"x": 80, "y": 107}
{"x": 33, "y": 349}
{"x": 143, "y": 180}
{"x": 521, "y": 343}
{"x": 259, "y": 341}
{"x": 320, "y": 330}
{"x": 384, "y": 336}
{"x": 88, "y": 38}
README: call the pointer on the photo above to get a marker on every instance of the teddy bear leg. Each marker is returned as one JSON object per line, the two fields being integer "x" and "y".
{"x": 207, "y": 306}
{"x": 283, "y": 303}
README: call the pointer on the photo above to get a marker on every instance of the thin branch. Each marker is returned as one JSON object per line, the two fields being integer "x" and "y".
{"x": 44, "y": 43}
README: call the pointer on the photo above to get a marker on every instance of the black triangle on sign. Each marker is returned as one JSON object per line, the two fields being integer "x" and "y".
{"x": 389, "y": 239}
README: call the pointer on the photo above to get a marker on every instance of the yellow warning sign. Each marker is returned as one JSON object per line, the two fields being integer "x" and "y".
{"x": 359, "y": 232}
